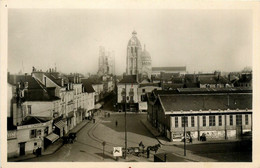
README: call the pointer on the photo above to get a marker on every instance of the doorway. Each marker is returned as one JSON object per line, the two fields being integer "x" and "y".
{"x": 22, "y": 148}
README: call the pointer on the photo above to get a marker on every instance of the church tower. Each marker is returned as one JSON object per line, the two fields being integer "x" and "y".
{"x": 133, "y": 60}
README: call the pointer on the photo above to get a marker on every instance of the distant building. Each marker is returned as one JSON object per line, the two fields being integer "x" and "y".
{"x": 157, "y": 70}
{"x": 138, "y": 61}
{"x": 106, "y": 62}
{"x": 245, "y": 80}
{"x": 127, "y": 93}
{"x": 221, "y": 113}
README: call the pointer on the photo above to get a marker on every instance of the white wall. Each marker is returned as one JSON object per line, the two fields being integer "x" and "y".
{"x": 42, "y": 108}
{"x": 128, "y": 87}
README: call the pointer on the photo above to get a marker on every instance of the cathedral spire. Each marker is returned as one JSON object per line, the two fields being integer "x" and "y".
{"x": 134, "y": 33}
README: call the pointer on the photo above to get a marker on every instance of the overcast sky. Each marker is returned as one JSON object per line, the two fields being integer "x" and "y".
{"x": 203, "y": 40}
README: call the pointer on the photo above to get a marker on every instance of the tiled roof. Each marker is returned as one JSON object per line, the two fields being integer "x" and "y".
{"x": 172, "y": 85}
{"x": 38, "y": 95}
{"x": 54, "y": 78}
{"x": 87, "y": 86}
{"x": 206, "y": 102}
{"x": 182, "y": 68}
{"x": 213, "y": 80}
{"x": 203, "y": 91}
{"x": 129, "y": 79}
{"x": 35, "y": 120}
{"x": 149, "y": 84}
{"x": 32, "y": 83}
{"x": 179, "y": 80}
{"x": 207, "y": 80}
{"x": 92, "y": 81}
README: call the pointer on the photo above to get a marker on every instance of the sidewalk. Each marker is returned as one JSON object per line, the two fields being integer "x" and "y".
{"x": 53, "y": 147}
{"x": 178, "y": 151}
{"x": 164, "y": 141}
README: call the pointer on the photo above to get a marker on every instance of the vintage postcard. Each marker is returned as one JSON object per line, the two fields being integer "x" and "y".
{"x": 128, "y": 84}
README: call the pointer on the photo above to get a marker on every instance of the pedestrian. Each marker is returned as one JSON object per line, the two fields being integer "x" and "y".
{"x": 116, "y": 123}
{"x": 190, "y": 139}
{"x": 148, "y": 153}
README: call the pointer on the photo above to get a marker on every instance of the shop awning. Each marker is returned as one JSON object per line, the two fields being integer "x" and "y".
{"x": 98, "y": 105}
{"x": 142, "y": 105}
{"x": 70, "y": 114}
{"x": 52, "y": 137}
{"x": 60, "y": 124}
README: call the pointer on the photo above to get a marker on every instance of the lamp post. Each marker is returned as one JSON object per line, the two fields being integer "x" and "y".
{"x": 125, "y": 125}
{"x": 184, "y": 135}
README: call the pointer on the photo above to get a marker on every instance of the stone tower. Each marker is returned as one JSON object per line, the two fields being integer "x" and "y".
{"x": 133, "y": 60}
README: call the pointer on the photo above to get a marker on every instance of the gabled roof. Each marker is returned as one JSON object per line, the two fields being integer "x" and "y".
{"x": 129, "y": 79}
{"x": 28, "y": 120}
{"x": 54, "y": 78}
{"x": 87, "y": 86}
{"x": 181, "y": 68}
{"x": 206, "y": 102}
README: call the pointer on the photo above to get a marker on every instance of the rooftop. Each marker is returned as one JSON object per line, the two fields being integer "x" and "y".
{"x": 39, "y": 95}
{"x": 35, "y": 120}
{"x": 87, "y": 86}
{"x": 182, "y": 68}
{"x": 206, "y": 102}
{"x": 32, "y": 83}
{"x": 129, "y": 79}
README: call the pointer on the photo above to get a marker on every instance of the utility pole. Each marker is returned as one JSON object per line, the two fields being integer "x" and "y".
{"x": 125, "y": 125}
{"x": 184, "y": 135}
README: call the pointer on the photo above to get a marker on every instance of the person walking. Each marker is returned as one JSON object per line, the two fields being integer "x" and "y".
{"x": 116, "y": 123}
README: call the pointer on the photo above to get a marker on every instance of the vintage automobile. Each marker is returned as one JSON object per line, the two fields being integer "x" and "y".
{"x": 70, "y": 138}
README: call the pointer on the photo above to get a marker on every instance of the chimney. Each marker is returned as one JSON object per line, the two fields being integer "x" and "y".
{"x": 62, "y": 82}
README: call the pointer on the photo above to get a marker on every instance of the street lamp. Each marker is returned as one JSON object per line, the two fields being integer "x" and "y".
{"x": 125, "y": 125}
